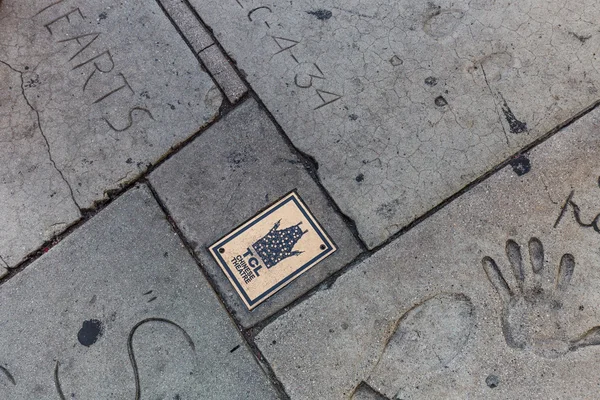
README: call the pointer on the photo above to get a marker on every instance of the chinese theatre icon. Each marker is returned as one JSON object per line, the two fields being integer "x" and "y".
{"x": 272, "y": 249}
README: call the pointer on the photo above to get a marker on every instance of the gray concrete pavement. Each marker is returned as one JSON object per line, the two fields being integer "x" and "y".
{"x": 119, "y": 305}
{"x": 239, "y": 200}
{"x": 207, "y": 49}
{"x": 93, "y": 104}
{"x": 493, "y": 297}
{"x": 404, "y": 103}
{"x": 36, "y": 200}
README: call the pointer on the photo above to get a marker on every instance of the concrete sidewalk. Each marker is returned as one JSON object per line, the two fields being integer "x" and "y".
{"x": 250, "y": 199}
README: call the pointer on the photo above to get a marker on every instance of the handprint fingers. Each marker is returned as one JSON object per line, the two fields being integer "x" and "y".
{"x": 534, "y": 317}
{"x": 513, "y": 253}
{"x": 565, "y": 271}
{"x": 536, "y": 255}
{"x": 589, "y": 338}
{"x": 497, "y": 280}
{"x": 527, "y": 280}
{"x": 540, "y": 272}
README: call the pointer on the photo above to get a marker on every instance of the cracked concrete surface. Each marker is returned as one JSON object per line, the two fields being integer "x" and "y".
{"x": 103, "y": 101}
{"x": 493, "y": 297}
{"x": 402, "y": 104}
{"x": 35, "y": 199}
{"x": 39, "y": 127}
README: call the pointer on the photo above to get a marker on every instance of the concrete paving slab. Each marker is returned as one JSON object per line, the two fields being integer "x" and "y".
{"x": 119, "y": 310}
{"x": 111, "y": 87}
{"x": 35, "y": 201}
{"x": 404, "y": 103}
{"x": 222, "y": 71}
{"x": 226, "y": 176}
{"x": 203, "y": 44}
{"x": 493, "y": 297}
{"x": 188, "y": 24}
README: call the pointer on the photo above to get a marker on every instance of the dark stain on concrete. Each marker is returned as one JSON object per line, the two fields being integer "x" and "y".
{"x": 521, "y": 165}
{"x": 514, "y": 124}
{"x": 492, "y": 381}
{"x": 90, "y": 332}
{"x": 321, "y": 14}
{"x": 431, "y": 81}
{"x": 440, "y": 101}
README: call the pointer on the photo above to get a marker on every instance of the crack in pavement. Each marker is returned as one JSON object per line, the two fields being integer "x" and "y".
{"x": 495, "y": 103}
{"x": 39, "y": 122}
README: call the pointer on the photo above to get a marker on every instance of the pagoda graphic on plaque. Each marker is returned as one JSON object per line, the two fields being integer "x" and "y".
{"x": 278, "y": 245}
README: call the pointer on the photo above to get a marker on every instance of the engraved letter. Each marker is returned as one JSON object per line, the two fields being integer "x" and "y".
{"x": 109, "y": 57}
{"x": 328, "y": 98}
{"x": 65, "y": 16}
{"x": 284, "y": 44}
{"x": 48, "y": 6}
{"x": 126, "y": 85}
{"x": 95, "y": 36}
{"x": 130, "y": 117}
{"x": 298, "y": 80}
{"x": 260, "y": 8}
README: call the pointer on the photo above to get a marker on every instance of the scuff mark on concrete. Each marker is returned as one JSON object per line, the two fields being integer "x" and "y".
{"x": 581, "y": 38}
{"x": 514, "y": 124}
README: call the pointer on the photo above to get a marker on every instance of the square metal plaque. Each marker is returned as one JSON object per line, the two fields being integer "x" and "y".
{"x": 272, "y": 249}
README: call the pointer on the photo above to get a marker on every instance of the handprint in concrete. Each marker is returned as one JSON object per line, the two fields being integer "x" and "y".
{"x": 534, "y": 317}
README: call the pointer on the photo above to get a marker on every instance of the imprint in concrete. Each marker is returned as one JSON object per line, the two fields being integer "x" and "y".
{"x": 495, "y": 296}
{"x": 403, "y": 103}
{"x": 120, "y": 310}
{"x": 433, "y": 332}
{"x": 104, "y": 90}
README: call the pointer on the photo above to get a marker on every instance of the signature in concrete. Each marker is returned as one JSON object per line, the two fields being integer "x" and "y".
{"x": 534, "y": 316}
{"x": 581, "y": 221}
{"x": 132, "y": 360}
{"x": 308, "y": 74}
{"x": 8, "y": 376}
{"x": 98, "y": 64}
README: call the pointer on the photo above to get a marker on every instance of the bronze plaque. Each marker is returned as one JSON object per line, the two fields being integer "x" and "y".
{"x": 272, "y": 249}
